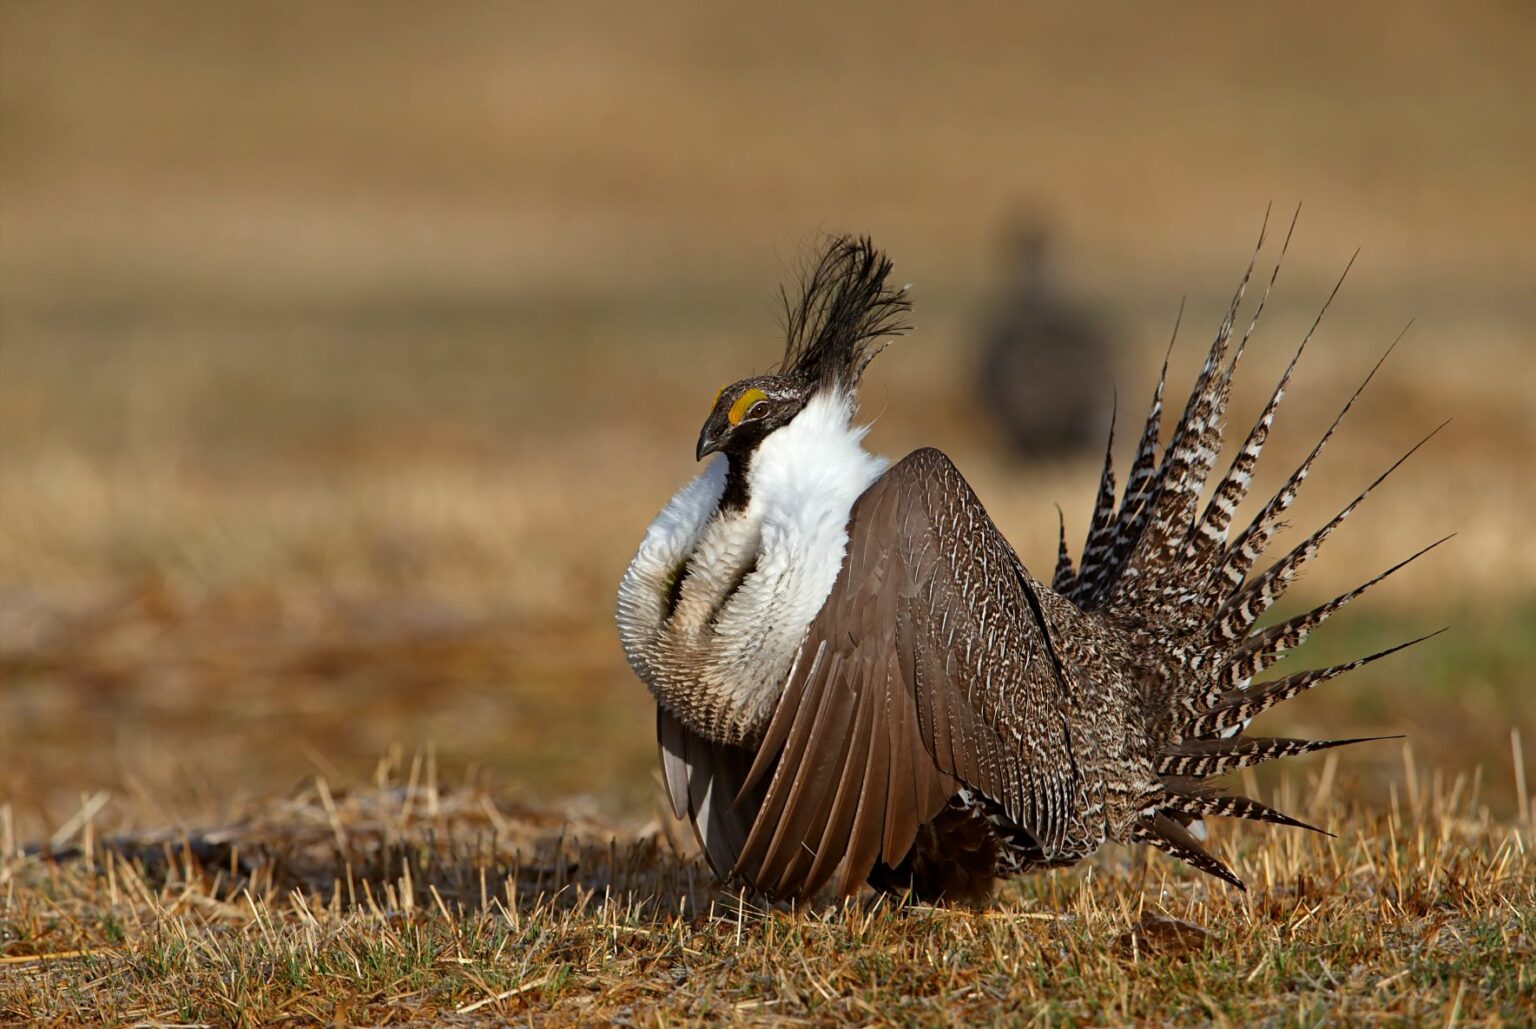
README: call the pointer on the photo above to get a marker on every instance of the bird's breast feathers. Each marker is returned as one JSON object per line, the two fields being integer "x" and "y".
{"x": 717, "y": 601}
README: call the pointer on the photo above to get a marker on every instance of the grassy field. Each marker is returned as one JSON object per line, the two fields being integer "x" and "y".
{"x": 408, "y": 901}
{"x": 343, "y": 360}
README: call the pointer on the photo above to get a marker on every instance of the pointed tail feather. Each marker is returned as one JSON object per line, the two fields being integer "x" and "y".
{"x": 1211, "y": 531}
{"x": 1245, "y": 607}
{"x": 1101, "y": 529}
{"x": 1258, "y": 311}
{"x": 1233, "y": 488}
{"x": 1241, "y": 706}
{"x": 1186, "y": 464}
{"x": 1262, "y": 649}
{"x": 1130, "y": 520}
{"x": 1202, "y": 758}
{"x": 1064, "y": 581}
{"x": 1174, "y": 840}
{"x": 1254, "y": 540}
{"x": 1230, "y": 806}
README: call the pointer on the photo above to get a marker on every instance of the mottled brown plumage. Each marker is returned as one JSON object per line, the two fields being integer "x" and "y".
{"x": 947, "y": 720}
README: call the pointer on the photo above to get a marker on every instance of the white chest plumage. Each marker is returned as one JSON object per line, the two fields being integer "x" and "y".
{"x": 714, "y": 605}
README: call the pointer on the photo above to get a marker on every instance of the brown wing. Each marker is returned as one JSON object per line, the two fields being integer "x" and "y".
{"x": 705, "y": 782}
{"x": 926, "y": 668}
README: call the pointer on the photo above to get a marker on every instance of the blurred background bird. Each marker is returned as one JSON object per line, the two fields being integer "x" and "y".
{"x": 1045, "y": 355}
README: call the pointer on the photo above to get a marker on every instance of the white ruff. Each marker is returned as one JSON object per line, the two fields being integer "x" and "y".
{"x": 720, "y": 660}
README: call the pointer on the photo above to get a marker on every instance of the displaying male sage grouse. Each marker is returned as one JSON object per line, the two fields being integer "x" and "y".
{"x": 858, "y": 680}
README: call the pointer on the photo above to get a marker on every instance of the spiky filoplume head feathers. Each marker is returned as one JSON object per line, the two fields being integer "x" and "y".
{"x": 832, "y": 333}
{"x": 845, "y": 309}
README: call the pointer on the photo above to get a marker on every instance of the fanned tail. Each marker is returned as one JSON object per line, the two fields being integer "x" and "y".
{"x": 1162, "y": 571}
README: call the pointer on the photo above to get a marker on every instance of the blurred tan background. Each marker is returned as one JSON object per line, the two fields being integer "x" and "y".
{"x": 346, "y": 350}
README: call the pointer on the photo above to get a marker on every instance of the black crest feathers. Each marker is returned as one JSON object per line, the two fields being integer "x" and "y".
{"x": 845, "y": 308}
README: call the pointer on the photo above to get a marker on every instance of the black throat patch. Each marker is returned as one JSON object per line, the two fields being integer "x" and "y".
{"x": 736, "y": 492}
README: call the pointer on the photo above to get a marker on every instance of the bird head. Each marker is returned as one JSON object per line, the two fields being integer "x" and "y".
{"x": 833, "y": 330}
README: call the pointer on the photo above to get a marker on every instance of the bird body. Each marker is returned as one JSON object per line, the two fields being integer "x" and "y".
{"x": 857, "y": 680}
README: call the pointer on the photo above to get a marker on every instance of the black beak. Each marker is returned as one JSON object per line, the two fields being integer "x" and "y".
{"x": 707, "y": 444}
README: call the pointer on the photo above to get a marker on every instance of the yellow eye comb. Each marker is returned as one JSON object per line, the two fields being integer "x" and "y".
{"x": 744, "y": 404}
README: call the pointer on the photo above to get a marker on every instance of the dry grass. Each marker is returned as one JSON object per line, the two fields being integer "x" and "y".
{"x": 407, "y": 901}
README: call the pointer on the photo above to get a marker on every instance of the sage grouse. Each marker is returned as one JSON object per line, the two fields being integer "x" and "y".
{"x": 857, "y": 680}
{"x": 1043, "y": 356}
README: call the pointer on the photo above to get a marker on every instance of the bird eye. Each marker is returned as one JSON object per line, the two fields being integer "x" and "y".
{"x": 752, "y": 403}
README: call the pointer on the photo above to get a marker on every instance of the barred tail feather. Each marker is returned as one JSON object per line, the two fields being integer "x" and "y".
{"x": 1101, "y": 529}
{"x": 1274, "y": 275}
{"x": 1130, "y": 520}
{"x": 1233, "y": 488}
{"x": 1173, "y": 839}
{"x": 1241, "y": 706}
{"x": 1211, "y": 531}
{"x": 1064, "y": 581}
{"x": 1250, "y": 545}
{"x": 1202, "y": 758}
{"x": 1138, "y": 485}
{"x": 1232, "y": 806}
{"x": 1248, "y": 604}
{"x": 1186, "y": 464}
{"x": 1262, "y": 649}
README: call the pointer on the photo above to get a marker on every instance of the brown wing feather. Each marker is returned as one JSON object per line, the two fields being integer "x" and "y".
{"x": 871, "y": 825}
{"x": 673, "y": 744}
{"x": 924, "y": 670}
{"x": 706, "y": 783}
